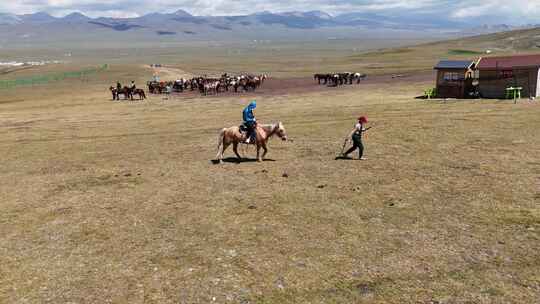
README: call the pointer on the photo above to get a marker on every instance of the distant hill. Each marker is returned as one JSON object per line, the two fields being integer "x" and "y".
{"x": 505, "y": 42}
{"x": 423, "y": 57}
{"x": 76, "y": 17}
{"x": 9, "y": 19}
{"x": 508, "y": 41}
{"x": 42, "y": 28}
{"x": 296, "y": 19}
{"x": 37, "y": 18}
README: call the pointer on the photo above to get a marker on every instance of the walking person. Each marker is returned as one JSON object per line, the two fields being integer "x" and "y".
{"x": 356, "y": 136}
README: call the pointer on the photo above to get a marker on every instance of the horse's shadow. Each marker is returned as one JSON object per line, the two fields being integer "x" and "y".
{"x": 235, "y": 160}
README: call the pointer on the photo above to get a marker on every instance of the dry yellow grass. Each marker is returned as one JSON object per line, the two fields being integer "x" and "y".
{"x": 107, "y": 202}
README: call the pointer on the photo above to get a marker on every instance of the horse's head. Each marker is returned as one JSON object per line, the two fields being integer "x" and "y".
{"x": 280, "y": 131}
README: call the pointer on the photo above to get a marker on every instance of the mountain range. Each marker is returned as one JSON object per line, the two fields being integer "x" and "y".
{"x": 263, "y": 25}
{"x": 301, "y": 20}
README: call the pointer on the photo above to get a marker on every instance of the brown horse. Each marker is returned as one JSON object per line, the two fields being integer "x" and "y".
{"x": 234, "y": 136}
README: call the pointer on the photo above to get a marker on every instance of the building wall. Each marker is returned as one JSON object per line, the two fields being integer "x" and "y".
{"x": 493, "y": 86}
{"x": 452, "y": 89}
{"x": 537, "y": 86}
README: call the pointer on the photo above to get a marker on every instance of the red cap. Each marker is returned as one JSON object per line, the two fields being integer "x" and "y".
{"x": 362, "y": 119}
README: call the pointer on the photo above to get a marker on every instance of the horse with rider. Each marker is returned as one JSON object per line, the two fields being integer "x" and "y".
{"x": 127, "y": 91}
{"x": 251, "y": 133}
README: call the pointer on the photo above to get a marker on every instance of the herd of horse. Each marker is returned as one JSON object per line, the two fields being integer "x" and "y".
{"x": 338, "y": 79}
{"x": 226, "y": 83}
{"x": 127, "y": 93}
{"x": 208, "y": 85}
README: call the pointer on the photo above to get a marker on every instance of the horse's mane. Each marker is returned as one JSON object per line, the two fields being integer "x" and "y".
{"x": 269, "y": 127}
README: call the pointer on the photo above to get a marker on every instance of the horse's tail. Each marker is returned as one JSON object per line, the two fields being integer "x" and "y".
{"x": 221, "y": 136}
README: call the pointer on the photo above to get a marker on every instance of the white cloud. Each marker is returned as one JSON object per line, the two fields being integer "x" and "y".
{"x": 110, "y": 13}
{"x": 505, "y": 11}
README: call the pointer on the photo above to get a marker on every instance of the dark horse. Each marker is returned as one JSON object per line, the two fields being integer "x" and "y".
{"x": 122, "y": 91}
{"x": 320, "y": 77}
{"x": 139, "y": 92}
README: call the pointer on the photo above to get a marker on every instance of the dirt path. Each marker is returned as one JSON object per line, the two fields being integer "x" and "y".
{"x": 169, "y": 73}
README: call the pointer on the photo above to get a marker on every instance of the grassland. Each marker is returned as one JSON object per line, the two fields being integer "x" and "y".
{"x": 107, "y": 202}
{"x": 423, "y": 57}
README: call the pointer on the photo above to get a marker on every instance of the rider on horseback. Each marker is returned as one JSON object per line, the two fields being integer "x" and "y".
{"x": 249, "y": 121}
{"x": 118, "y": 86}
{"x": 133, "y": 86}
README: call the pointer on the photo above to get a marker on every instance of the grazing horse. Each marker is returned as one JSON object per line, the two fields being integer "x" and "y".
{"x": 178, "y": 85}
{"x": 346, "y": 77}
{"x": 235, "y": 83}
{"x": 359, "y": 77}
{"x": 235, "y": 136}
{"x": 334, "y": 80}
{"x": 252, "y": 83}
{"x": 210, "y": 87}
{"x": 139, "y": 92}
{"x": 152, "y": 87}
{"x": 126, "y": 91}
{"x": 320, "y": 77}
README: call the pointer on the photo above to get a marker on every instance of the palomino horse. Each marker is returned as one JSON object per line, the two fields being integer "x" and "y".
{"x": 234, "y": 136}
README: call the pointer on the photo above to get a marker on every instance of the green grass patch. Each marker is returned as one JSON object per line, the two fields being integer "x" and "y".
{"x": 464, "y": 52}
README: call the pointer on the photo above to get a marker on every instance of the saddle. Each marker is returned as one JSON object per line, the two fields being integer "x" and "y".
{"x": 244, "y": 130}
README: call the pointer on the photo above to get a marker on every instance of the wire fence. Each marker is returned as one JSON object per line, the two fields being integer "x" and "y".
{"x": 44, "y": 79}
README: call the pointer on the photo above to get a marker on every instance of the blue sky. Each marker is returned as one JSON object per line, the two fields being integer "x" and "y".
{"x": 490, "y": 11}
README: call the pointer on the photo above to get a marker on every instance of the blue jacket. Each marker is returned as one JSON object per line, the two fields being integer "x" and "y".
{"x": 248, "y": 112}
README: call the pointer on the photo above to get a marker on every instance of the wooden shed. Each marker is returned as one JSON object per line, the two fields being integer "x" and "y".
{"x": 498, "y": 73}
{"x": 455, "y": 78}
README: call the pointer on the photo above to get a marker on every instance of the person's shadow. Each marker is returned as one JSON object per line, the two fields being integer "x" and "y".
{"x": 343, "y": 158}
